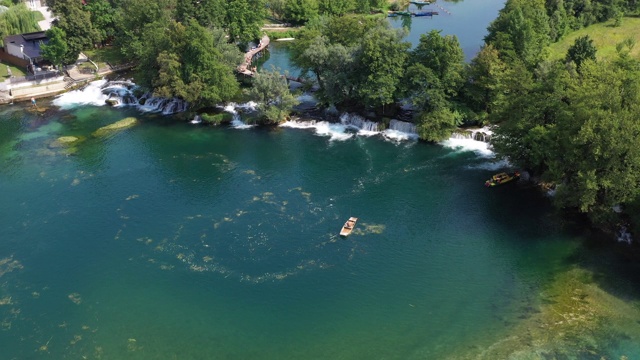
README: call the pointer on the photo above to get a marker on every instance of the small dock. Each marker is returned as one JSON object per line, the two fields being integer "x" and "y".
{"x": 245, "y": 68}
{"x": 412, "y": 13}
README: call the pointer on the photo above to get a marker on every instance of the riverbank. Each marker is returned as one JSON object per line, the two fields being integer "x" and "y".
{"x": 18, "y": 91}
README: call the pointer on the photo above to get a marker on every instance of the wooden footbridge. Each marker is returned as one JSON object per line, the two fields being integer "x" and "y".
{"x": 245, "y": 68}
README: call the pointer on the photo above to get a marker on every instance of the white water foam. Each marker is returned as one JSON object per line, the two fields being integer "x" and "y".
{"x": 397, "y": 136}
{"x": 359, "y": 123}
{"x": 465, "y": 144}
{"x": 336, "y": 132}
{"x": 97, "y": 92}
{"x": 90, "y": 95}
{"x": 350, "y": 123}
{"x": 400, "y": 131}
{"x": 237, "y": 122}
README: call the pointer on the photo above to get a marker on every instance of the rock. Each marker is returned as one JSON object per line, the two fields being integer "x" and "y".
{"x": 118, "y": 125}
{"x": 63, "y": 141}
{"x": 112, "y": 102}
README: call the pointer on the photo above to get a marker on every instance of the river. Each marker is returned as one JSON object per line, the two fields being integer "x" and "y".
{"x": 171, "y": 240}
{"x": 174, "y": 240}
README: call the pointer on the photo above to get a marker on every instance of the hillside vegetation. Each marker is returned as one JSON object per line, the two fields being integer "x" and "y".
{"x": 605, "y": 38}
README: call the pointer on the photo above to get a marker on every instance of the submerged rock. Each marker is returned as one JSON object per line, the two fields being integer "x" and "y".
{"x": 64, "y": 141}
{"x": 574, "y": 318}
{"x": 118, "y": 125}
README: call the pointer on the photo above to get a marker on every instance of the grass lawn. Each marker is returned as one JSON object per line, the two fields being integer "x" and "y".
{"x": 605, "y": 38}
{"x": 37, "y": 15}
{"x": 106, "y": 54}
{"x": 14, "y": 70}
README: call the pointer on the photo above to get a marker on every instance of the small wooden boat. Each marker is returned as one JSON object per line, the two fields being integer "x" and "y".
{"x": 403, "y": 13}
{"x": 502, "y": 178}
{"x": 347, "y": 228}
{"x": 420, "y": 2}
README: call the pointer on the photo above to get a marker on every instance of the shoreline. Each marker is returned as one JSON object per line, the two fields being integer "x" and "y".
{"x": 45, "y": 89}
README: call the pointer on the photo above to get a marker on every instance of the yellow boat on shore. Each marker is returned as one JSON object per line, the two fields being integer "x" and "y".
{"x": 347, "y": 228}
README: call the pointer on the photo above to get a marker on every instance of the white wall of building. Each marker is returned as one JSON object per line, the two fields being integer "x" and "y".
{"x": 14, "y": 49}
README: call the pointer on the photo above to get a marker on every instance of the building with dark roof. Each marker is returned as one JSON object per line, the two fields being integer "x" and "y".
{"x": 24, "y": 49}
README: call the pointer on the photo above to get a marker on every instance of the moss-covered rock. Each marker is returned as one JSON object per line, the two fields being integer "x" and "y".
{"x": 217, "y": 119}
{"x": 64, "y": 141}
{"x": 118, "y": 125}
{"x": 576, "y": 319}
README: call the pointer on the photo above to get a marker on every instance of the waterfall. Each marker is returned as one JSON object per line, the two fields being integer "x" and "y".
{"x": 402, "y": 126}
{"x": 483, "y": 134}
{"x": 119, "y": 93}
{"x": 163, "y": 105}
{"x": 358, "y": 122}
{"x": 475, "y": 140}
{"x": 400, "y": 130}
{"x": 236, "y": 121}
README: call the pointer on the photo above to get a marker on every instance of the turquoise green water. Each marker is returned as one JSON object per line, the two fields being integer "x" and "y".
{"x": 167, "y": 240}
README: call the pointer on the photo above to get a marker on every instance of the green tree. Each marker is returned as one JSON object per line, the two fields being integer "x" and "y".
{"x": 56, "y": 48}
{"x": 444, "y": 56}
{"x": 134, "y": 20}
{"x": 601, "y": 151}
{"x": 277, "y": 8}
{"x": 300, "y": 11}
{"x": 75, "y": 21}
{"x": 382, "y": 63}
{"x": 208, "y": 13}
{"x": 244, "y": 19}
{"x": 190, "y": 62}
{"x": 559, "y": 21}
{"x": 484, "y": 81}
{"x": 275, "y": 101}
{"x": 581, "y": 51}
{"x": 432, "y": 82}
{"x": 337, "y": 7}
{"x": 103, "y": 19}
{"x": 521, "y": 31}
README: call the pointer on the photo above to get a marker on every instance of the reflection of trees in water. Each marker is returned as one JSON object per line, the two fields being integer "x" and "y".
{"x": 406, "y": 22}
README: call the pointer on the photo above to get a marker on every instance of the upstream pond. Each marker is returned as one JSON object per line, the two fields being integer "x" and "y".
{"x": 466, "y": 19}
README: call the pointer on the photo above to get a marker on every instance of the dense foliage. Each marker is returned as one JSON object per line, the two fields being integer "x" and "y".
{"x": 75, "y": 22}
{"x": 302, "y": 11}
{"x": 353, "y": 59}
{"x": 573, "y": 122}
{"x": 275, "y": 101}
{"x": 433, "y": 79}
{"x": 185, "y": 49}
